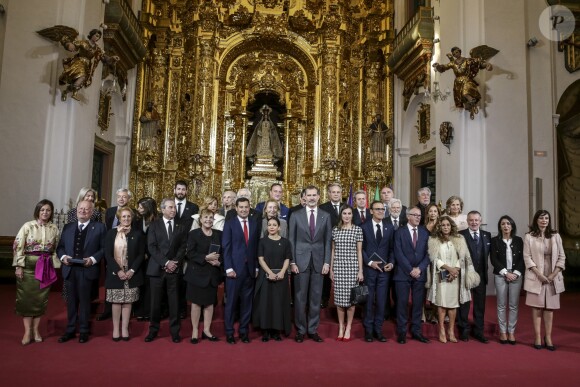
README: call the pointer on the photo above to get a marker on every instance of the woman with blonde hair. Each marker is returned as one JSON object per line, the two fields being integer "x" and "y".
{"x": 454, "y": 209}
{"x": 209, "y": 203}
{"x": 272, "y": 210}
{"x": 89, "y": 195}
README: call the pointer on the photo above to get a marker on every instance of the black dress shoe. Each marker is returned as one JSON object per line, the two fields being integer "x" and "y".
{"x": 176, "y": 339}
{"x": 245, "y": 338}
{"x": 402, "y": 338}
{"x": 103, "y": 316}
{"x": 464, "y": 337}
{"x": 299, "y": 338}
{"x": 481, "y": 339}
{"x": 230, "y": 340}
{"x": 368, "y": 337}
{"x": 420, "y": 337}
{"x": 549, "y": 347}
{"x": 276, "y": 337}
{"x": 265, "y": 338}
{"x": 194, "y": 340}
{"x": 125, "y": 338}
{"x": 315, "y": 337}
{"x": 66, "y": 337}
{"x": 83, "y": 338}
{"x": 116, "y": 339}
{"x": 208, "y": 338}
{"x": 150, "y": 337}
{"x": 380, "y": 337}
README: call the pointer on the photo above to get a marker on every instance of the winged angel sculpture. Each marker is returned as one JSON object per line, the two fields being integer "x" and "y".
{"x": 78, "y": 70}
{"x": 465, "y": 92}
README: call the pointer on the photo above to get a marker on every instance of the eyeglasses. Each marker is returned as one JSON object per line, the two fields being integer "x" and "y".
{"x": 378, "y": 209}
{"x": 415, "y": 215}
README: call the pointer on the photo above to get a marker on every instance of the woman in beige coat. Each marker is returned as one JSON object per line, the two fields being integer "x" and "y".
{"x": 545, "y": 260}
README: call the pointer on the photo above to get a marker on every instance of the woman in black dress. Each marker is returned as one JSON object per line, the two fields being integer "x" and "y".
{"x": 203, "y": 273}
{"x": 124, "y": 251}
{"x": 271, "y": 299}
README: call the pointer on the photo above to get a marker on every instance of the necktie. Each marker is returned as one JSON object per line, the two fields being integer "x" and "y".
{"x": 475, "y": 238}
{"x": 362, "y": 216}
{"x": 311, "y": 224}
{"x": 379, "y": 235}
{"x": 115, "y": 222}
{"x": 414, "y": 238}
{"x": 396, "y": 223}
{"x": 246, "y": 232}
{"x": 81, "y": 226}
{"x": 179, "y": 210}
{"x": 169, "y": 229}
{"x": 336, "y": 209}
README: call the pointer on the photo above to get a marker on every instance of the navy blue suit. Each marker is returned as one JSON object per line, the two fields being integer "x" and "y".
{"x": 243, "y": 259}
{"x": 356, "y": 216}
{"x": 377, "y": 281}
{"x": 406, "y": 258}
{"x": 79, "y": 278}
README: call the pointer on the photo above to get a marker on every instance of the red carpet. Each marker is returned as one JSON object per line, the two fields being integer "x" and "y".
{"x": 104, "y": 362}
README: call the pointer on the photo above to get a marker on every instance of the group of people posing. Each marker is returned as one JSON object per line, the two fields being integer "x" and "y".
{"x": 272, "y": 256}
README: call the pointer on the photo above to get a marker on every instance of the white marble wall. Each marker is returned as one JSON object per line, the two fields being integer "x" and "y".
{"x": 46, "y": 146}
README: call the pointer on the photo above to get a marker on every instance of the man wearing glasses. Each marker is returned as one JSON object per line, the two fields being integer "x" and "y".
{"x": 411, "y": 260}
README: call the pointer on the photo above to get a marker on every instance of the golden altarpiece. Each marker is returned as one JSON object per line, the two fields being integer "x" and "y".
{"x": 312, "y": 72}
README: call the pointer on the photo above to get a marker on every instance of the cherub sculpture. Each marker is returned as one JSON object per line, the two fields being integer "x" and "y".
{"x": 465, "y": 92}
{"x": 78, "y": 70}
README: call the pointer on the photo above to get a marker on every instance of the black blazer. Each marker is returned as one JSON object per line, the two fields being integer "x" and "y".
{"x": 186, "y": 216}
{"x": 199, "y": 272}
{"x": 498, "y": 257}
{"x": 485, "y": 240}
{"x": 135, "y": 257}
{"x": 162, "y": 249}
{"x": 328, "y": 207}
{"x": 356, "y": 216}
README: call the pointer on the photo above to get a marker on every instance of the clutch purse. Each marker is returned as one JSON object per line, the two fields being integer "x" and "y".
{"x": 359, "y": 294}
{"x": 443, "y": 275}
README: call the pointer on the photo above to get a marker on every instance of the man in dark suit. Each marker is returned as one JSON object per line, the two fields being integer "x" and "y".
{"x": 333, "y": 208}
{"x": 361, "y": 212}
{"x": 396, "y": 218}
{"x": 240, "y": 241}
{"x": 276, "y": 193}
{"x": 184, "y": 208}
{"x": 411, "y": 261}
{"x": 298, "y": 206}
{"x": 378, "y": 262}
{"x": 478, "y": 243}
{"x": 123, "y": 198}
{"x": 84, "y": 241}
{"x": 310, "y": 235}
{"x": 183, "y": 215}
{"x": 166, "y": 240}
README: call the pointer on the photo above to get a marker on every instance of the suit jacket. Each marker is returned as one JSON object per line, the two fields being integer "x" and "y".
{"x": 402, "y": 216}
{"x": 383, "y": 249}
{"x": 161, "y": 249}
{"x": 257, "y": 216}
{"x": 356, "y": 216}
{"x": 402, "y": 220}
{"x": 284, "y": 210}
{"x": 186, "y": 216}
{"x": 235, "y": 251}
{"x": 94, "y": 247}
{"x": 485, "y": 244}
{"x": 292, "y": 210}
{"x": 303, "y": 246}
{"x": 534, "y": 256}
{"x": 328, "y": 207}
{"x": 110, "y": 215}
{"x": 498, "y": 254}
{"x": 407, "y": 257}
{"x": 135, "y": 257}
{"x": 199, "y": 272}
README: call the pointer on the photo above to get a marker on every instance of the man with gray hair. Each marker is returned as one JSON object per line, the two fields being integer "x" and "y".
{"x": 424, "y": 198}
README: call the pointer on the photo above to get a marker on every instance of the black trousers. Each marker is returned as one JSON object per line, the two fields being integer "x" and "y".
{"x": 167, "y": 283}
{"x": 478, "y": 299}
{"x": 78, "y": 303}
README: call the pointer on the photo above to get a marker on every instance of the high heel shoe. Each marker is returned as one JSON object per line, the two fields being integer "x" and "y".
{"x": 346, "y": 339}
{"x": 38, "y": 338}
{"x": 204, "y": 336}
{"x": 549, "y": 347}
{"x": 340, "y": 335}
{"x": 125, "y": 338}
{"x": 537, "y": 346}
{"x": 116, "y": 339}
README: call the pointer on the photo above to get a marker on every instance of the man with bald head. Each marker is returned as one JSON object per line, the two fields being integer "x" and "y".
{"x": 80, "y": 249}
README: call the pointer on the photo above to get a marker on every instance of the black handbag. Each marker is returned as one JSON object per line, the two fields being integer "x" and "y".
{"x": 359, "y": 294}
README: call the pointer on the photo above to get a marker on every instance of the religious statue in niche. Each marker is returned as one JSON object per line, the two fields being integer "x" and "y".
{"x": 150, "y": 127}
{"x": 265, "y": 141}
{"x": 465, "y": 89}
{"x": 78, "y": 70}
{"x": 377, "y": 134}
